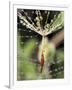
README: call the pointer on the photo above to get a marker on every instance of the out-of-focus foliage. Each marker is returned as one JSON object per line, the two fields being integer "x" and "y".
{"x": 57, "y": 67}
{"x": 25, "y": 67}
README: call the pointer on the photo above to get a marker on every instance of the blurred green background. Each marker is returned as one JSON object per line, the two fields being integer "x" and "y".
{"x": 27, "y": 69}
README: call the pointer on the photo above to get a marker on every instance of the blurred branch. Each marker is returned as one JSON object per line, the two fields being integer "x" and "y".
{"x": 58, "y": 38}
